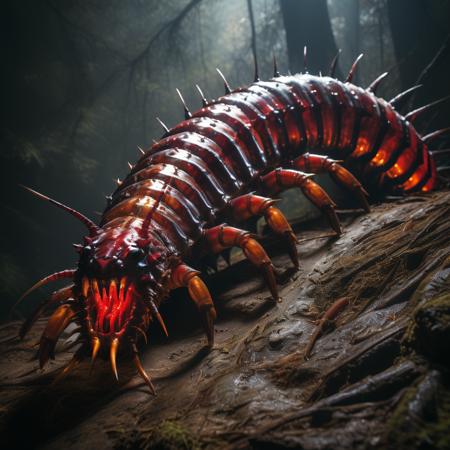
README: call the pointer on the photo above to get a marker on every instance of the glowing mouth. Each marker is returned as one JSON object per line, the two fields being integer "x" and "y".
{"x": 110, "y": 305}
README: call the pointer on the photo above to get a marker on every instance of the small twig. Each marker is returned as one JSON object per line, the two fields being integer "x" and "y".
{"x": 330, "y": 314}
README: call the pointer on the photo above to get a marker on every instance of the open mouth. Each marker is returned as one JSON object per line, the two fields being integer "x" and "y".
{"x": 110, "y": 304}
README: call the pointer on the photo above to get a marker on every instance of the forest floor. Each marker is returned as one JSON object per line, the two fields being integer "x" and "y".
{"x": 377, "y": 377}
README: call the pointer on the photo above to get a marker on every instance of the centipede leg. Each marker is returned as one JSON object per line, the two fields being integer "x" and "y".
{"x": 279, "y": 180}
{"x": 319, "y": 164}
{"x": 250, "y": 205}
{"x": 57, "y": 296}
{"x": 221, "y": 237}
{"x": 57, "y": 323}
{"x": 185, "y": 276}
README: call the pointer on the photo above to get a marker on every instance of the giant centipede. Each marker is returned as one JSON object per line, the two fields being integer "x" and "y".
{"x": 192, "y": 192}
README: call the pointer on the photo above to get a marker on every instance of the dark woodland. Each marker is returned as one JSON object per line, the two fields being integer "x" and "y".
{"x": 83, "y": 85}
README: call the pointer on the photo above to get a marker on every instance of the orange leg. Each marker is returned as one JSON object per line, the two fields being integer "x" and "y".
{"x": 185, "y": 276}
{"x": 319, "y": 164}
{"x": 281, "y": 179}
{"x": 251, "y": 205}
{"x": 222, "y": 237}
{"x": 57, "y": 323}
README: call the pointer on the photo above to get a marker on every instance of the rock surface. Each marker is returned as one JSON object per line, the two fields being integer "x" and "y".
{"x": 371, "y": 380}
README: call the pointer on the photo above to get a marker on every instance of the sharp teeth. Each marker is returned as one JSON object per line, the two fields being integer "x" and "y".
{"x": 85, "y": 287}
{"x": 113, "y": 355}
{"x": 123, "y": 283}
{"x": 95, "y": 349}
{"x": 95, "y": 288}
{"x": 113, "y": 289}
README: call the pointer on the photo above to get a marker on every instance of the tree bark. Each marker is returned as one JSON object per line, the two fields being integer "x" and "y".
{"x": 307, "y": 23}
{"x": 422, "y": 47}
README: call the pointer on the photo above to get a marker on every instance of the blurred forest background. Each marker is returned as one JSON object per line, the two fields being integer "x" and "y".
{"x": 84, "y": 80}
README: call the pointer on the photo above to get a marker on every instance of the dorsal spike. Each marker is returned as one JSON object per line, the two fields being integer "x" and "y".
{"x": 202, "y": 96}
{"x": 375, "y": 83}
{"x": 130, "y": 165}
{"x": 165, "y": 127}
{"x": 434, "y": 135}
{"x": 225, "y": 82}
{"x": 91, "y": 226}
{"x": 256, "y": 71}
{"x": 78, "y": 247}
{"x": 441, "y": 151}
{"x": 402, "y": 95}
{"x": 68, "y": 273}
{"x": 118, "y": 181}
{"x": 351, "y": 72}
{"x": 305, "y": 57}
{"x": 276, "y": 73}
{"x": 412, "y": 116}
{"x": 187, "y": 113}
{"x": 141, "y": 150}
{"x": 334, "y": 63}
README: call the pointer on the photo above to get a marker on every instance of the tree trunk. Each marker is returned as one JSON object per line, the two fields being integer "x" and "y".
{"x": 307, "y": 23}
{"x": 422, "y": 47}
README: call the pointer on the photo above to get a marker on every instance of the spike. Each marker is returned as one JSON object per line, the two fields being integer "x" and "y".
{"x": 113, "y": 356}
{"x": 225, "y": 82}
{"x": 375, "y": 83}
{"x": 130, "y": 165}
{"x": 141, "y": 150}
{"x": 432, "y": 136}
{"x": 441, "y": 151}
{"x": 334, "y": 63}
{"x": 78, "y": 247}
{"x": 442, "y": 169}
{"x": 158, "y": 317}
{"x": 118, "y": 181}
{"x": 204, "y": 101}
{"x": 95, "y": 349}
{"x": 141, "y": 370}
{"x": 166, "y": 129}
{"x": 404, "y": 94}
{"x": 305, "y": 54}
{"x": 91, "y": 226}
{"x": 256, "y": 77}
{"x": 53, "y": 277}
{"x": 353, "y": 68}
{"x": 275, "y": 67}
{"x": 187, "y": 113}
{"x": 412, "y": 116}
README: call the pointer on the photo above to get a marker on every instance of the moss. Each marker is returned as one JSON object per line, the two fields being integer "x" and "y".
{"x": 171, "y": 435}
{"x": 429, "y": 331}
{"x": 429, "y": 431}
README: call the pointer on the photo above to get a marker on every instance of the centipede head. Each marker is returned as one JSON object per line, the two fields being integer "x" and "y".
{"x": 120, "y": 281}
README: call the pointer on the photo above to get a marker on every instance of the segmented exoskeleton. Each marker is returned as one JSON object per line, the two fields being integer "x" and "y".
{"x": 187, "y": 194}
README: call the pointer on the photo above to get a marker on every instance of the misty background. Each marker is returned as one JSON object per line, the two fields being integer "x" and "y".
{"x": 82, "y": 83}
